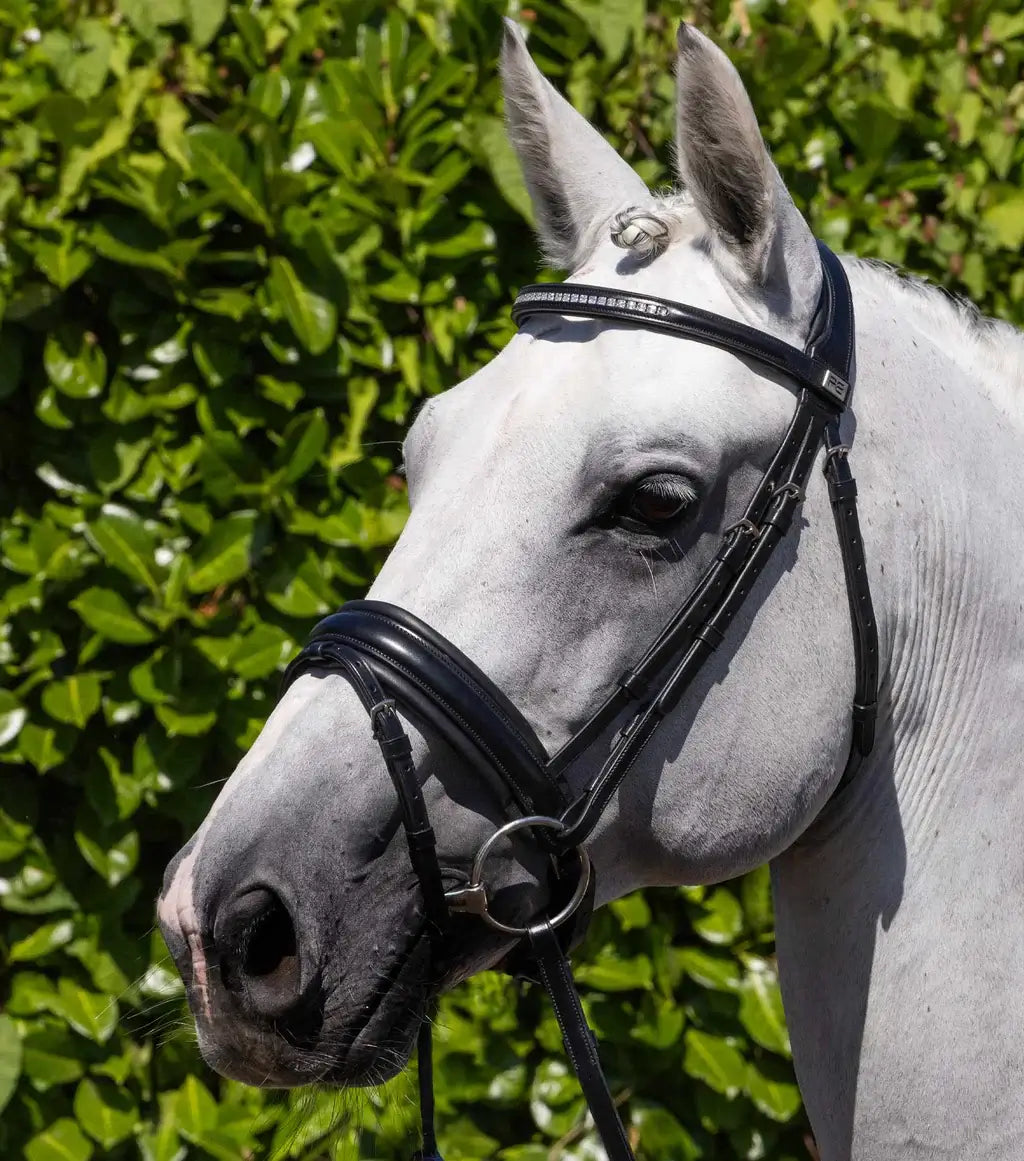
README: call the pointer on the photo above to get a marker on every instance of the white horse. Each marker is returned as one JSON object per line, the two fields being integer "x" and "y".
{"x": 898, "y": 900}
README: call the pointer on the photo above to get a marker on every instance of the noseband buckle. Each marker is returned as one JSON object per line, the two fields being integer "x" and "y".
{"x": 472, "y": 898}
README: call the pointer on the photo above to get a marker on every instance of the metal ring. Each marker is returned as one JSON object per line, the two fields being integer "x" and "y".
{"x": 477, "y": 873}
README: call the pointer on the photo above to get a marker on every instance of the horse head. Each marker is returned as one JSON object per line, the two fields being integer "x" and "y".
{"x": 565, "y": 500}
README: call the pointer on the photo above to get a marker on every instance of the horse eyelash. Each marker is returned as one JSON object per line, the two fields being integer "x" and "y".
{"x": 671, "y": 487}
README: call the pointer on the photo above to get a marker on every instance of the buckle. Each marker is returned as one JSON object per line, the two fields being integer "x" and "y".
{"x": 377, "y": 711}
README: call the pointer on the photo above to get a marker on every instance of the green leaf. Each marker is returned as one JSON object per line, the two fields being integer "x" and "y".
{"x": 661, "y": 1135}
{"x": 156, "y": 679}
{"x": 107, "y": 1114}
{"x": 632, "y": 911}
{"x": 312, "y": 318}
{"x": 262, "y": 652}
{"x": 220, "y": 161}
{"x": 612, "y": 22}
{"x": 115, "y": 460}
{"x": 756, "y": 897}
{"x": 110, "y": 614}
{"x": 163, "y": 1145}
{"x": 75, "y": 362}
{"x": 1005, "y": 222}
{"x": 126, "y": 544}
{"x": 611, "y": 973}
{"x": 73, "y": 700}
{"x": 204, "y": 18}
{"x": 300, "y": 588}
{"x": 82, "y": 59}
{"x": 491, "y": 139}
{"x": 90, "y": 1014}
{"x": 51, "y": 1055}
{"x": 147, "y": 16}
{"x": 722, "y": 918}
{"x": 771, "y": 1087}
{"x": 62, "y": 262}
{"x": 826, "y": 16}
{"x": 268, "y": 92}
{"x": 10, "y": 1059}
{"x": 761, "y": 1011}
{"x": 14, "y": 837}
{"x": 113, "y": 863}
{"x": 715, "y": 970}
{"x": 302, "y": 444}
{"x": 715, "y": 1061}
{"x": 46, "y": 746}
{"x": 116, "y": 132}
{"x": 61, "y": 1141}
{"x": 13, "y": 716}
{"x": 196, "y": 1108}
{"x": 42, "y": 942}
{"x": 225, "y": 553}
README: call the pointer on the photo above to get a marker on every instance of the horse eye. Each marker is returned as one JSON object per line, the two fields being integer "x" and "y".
{"x": 654, "y": 502}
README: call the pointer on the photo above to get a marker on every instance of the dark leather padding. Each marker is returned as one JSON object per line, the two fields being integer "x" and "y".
{"x": 443, "y": 690}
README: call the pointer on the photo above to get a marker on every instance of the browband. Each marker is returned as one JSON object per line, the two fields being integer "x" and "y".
{"x": 824, "y": 367}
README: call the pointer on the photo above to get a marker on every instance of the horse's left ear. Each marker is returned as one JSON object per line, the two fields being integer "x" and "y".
{"x": 576, "y": 180}
{"x": 761, "y": 241}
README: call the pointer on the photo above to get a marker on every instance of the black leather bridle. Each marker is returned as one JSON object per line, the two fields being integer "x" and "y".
{"x": 395, "y": 661}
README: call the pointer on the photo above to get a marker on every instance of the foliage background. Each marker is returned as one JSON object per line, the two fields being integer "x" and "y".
{"x": 238, "y": 243}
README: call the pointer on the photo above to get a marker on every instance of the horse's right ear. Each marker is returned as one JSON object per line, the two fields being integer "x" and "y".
{"x": 577, "y": 182}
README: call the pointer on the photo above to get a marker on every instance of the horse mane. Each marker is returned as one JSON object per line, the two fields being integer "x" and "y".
{"x": 991, "y": 350}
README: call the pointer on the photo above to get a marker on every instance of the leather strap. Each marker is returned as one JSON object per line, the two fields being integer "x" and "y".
{"x": 396, "y": 750}
{"x": 580, "y": 1043}
{"x": 738, "y": 544}
{"x": 823, "y": 368}
{"x": 425, "y": 1084}
{"x": 842, "y": 490}
{"x": 773, "y": 507}
{"x": 441, "y": 688}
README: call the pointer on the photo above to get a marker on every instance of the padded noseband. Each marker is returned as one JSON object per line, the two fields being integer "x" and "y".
{"x": 444, "y": 691}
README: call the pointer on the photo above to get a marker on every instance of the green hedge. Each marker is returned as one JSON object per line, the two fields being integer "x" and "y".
{"x": 238, "y": 242}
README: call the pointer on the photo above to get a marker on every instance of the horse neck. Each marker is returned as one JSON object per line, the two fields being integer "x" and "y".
{"x": 889, "y": 902}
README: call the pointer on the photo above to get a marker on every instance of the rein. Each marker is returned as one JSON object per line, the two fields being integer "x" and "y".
{"x": 395, "y": 661}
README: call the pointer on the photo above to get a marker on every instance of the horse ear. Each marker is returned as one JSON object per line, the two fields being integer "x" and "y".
{"x": 761, "y": 238}
{"x": 576, "y": 180}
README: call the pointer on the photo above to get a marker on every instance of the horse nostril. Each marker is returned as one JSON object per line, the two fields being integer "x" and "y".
{"x": 258, "y": 951}
{"x": 270, "y": 945}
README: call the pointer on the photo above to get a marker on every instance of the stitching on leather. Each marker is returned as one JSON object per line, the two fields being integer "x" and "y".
{"x": 593, "y": 1059}
{"x": 457, "y": 671}
{"x": 561, "y": 1022}
{"x": 693, "y": 322}
{"x": 451, "y": 710}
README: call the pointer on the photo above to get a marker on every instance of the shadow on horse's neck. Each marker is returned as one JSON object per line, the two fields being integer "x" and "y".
{"x": 833, "y": 892}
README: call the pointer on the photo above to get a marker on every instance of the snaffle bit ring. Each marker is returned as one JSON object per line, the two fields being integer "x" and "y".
{"x": 472, "y": 898}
